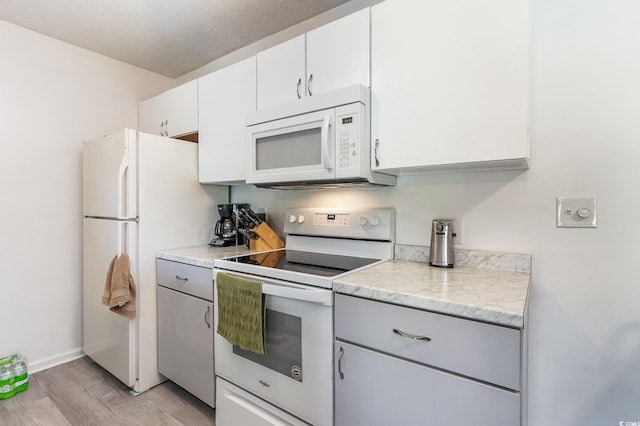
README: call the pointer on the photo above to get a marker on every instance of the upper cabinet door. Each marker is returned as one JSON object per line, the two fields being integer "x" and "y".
{"x": 226, "y": 96}
{"x": 281, "y": 73}
{"x": 450, "y": 84}
{"x": 172, "y": 113}
{"x": 338, "y": 54}
{"x": 330, "y": 57}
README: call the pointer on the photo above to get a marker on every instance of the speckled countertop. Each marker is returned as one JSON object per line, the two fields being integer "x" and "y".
{"x": 495, "y": 295}
{"x": 200, "y": 255}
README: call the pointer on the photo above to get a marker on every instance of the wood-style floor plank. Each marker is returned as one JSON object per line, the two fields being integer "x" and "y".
{"x": 82, "y": 393}
{"x": 35, "y": 413}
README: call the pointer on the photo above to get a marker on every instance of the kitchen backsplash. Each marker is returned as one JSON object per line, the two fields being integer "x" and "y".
{"x": 470, "y": 258}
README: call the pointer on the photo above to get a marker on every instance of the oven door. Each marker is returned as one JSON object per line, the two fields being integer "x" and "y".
{"x": 293, "y": 149}
{"x": 296, "y": 373}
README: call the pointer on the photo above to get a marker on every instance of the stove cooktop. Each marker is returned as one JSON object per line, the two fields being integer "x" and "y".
{"x": 306, "y": 262}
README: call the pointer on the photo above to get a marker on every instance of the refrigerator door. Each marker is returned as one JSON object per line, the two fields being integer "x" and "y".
{"x": 110, "y": 176}
{"x": 109, "y": 339}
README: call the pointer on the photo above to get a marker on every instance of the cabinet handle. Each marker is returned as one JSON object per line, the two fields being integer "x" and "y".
{"x": 298, "y": 88}
{"x": 163, "y": 128}
{"x": 340, "y": 355}
{"x": 309, "y": 84}
{"x": 375, "y": 153}
{"x": 179, "y": 278}
{"x": 411, "y": 336}
{"x": 206, "y": 317}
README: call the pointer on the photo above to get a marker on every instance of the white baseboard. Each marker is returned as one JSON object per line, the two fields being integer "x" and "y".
{"x": 43, "y": 364}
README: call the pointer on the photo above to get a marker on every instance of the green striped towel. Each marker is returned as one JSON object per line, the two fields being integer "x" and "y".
{"x": 241, "y": 312}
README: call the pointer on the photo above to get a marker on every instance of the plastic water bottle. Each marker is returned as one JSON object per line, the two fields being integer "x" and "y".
{"x": 21, "y": 378}
{"x": 7, "y": 381}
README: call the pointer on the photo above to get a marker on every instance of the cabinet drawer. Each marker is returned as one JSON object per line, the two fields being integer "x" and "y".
{"x": 486, "y": 352}
{"x": 193, "y": 280}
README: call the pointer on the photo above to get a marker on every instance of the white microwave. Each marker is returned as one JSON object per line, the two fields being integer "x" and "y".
{"x": 321, "y": 140}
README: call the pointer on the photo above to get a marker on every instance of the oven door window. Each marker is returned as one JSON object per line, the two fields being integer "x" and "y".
{"x": 283, "y": 345}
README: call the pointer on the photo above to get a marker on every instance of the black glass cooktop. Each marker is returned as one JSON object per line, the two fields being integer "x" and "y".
{"x": 321, "y": 264}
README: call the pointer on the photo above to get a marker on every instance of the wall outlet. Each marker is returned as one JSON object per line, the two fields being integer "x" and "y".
{"x": 457, "y": 231}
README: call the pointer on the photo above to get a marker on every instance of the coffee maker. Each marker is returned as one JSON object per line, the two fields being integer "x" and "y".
{"x": 226, "y": 229}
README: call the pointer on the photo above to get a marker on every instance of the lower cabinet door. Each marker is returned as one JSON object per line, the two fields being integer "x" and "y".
{"x": 185, "y": 342}
{"x": 378, "y": 389}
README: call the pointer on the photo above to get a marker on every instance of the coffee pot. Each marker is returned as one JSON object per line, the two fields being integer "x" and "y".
{"x": 226, "y": 229}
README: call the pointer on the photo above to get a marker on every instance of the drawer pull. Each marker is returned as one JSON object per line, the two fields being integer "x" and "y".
{"x": 340, "y": 355}
{"x": 179, "y": 278}
{"x": 411, "y": 336}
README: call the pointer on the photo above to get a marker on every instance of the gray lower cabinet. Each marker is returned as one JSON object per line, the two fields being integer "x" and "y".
{"x": 185, "y": 328}
{"x": 378, "y": 389}
{"x": 404, "y": 366}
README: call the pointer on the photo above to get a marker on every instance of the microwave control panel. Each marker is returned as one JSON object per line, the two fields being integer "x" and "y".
{"x": 348, "y": 138}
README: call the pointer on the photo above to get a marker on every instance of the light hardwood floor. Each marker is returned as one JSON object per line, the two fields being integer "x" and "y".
{"x": 82, "y": 393}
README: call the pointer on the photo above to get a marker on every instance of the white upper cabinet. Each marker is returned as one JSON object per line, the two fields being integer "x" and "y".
{"x": 450, "y": 84}
{"x": 281, "y": 73}
{"x": 172, "y": 113}
{"x": 225, "y": 97}
{"x": 333, "y": 56}
{"x": 338, "y": 54}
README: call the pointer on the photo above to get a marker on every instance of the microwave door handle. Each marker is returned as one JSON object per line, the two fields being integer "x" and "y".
{"x": 325, "y": 145}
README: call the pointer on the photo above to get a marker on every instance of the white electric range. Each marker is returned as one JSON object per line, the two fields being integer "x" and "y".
{"x": 293, "y": 382}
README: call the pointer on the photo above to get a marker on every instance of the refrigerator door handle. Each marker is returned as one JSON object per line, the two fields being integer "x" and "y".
{"x": 121, "y": 233}
{"x": 123, "y": 237}
{"x": 122, "y": 183}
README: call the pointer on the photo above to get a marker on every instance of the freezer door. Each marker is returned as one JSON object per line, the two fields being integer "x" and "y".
{"x": 109, "y": 176}
{"x": 109, "y": 339}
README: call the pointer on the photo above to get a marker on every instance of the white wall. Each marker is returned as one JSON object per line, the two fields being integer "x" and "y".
{"x": 52, "y": 97}
{"x": 585, "y": 140}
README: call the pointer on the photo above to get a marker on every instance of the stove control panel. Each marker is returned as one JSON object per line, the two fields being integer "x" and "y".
{"x": 371, "y": 224}
{"x": 331, "y": 219}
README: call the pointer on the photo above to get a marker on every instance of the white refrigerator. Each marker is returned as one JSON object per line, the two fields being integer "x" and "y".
{"x": 140, "y": 195}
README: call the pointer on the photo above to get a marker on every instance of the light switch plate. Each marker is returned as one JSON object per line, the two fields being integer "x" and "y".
{"x": 576, "y": 212}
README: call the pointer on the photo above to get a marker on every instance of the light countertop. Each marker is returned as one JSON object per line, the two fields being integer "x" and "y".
{"x": 494, "y": 296}
{"x": 489, "y": 287}
{"x": 200, "y": 255}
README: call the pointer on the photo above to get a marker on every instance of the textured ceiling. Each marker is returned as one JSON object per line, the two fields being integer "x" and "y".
{"x": 169, "y": 37}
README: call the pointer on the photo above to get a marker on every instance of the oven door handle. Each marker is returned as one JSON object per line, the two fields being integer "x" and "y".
{"x": 324, "y": 297}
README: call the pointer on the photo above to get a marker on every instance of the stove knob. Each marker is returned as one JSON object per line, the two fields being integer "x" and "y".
{"x": 301, "y": 218}
{"x": 375, "y": 221}
{"x": 363, "y": 221}
{"x": 292, "y": 218}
